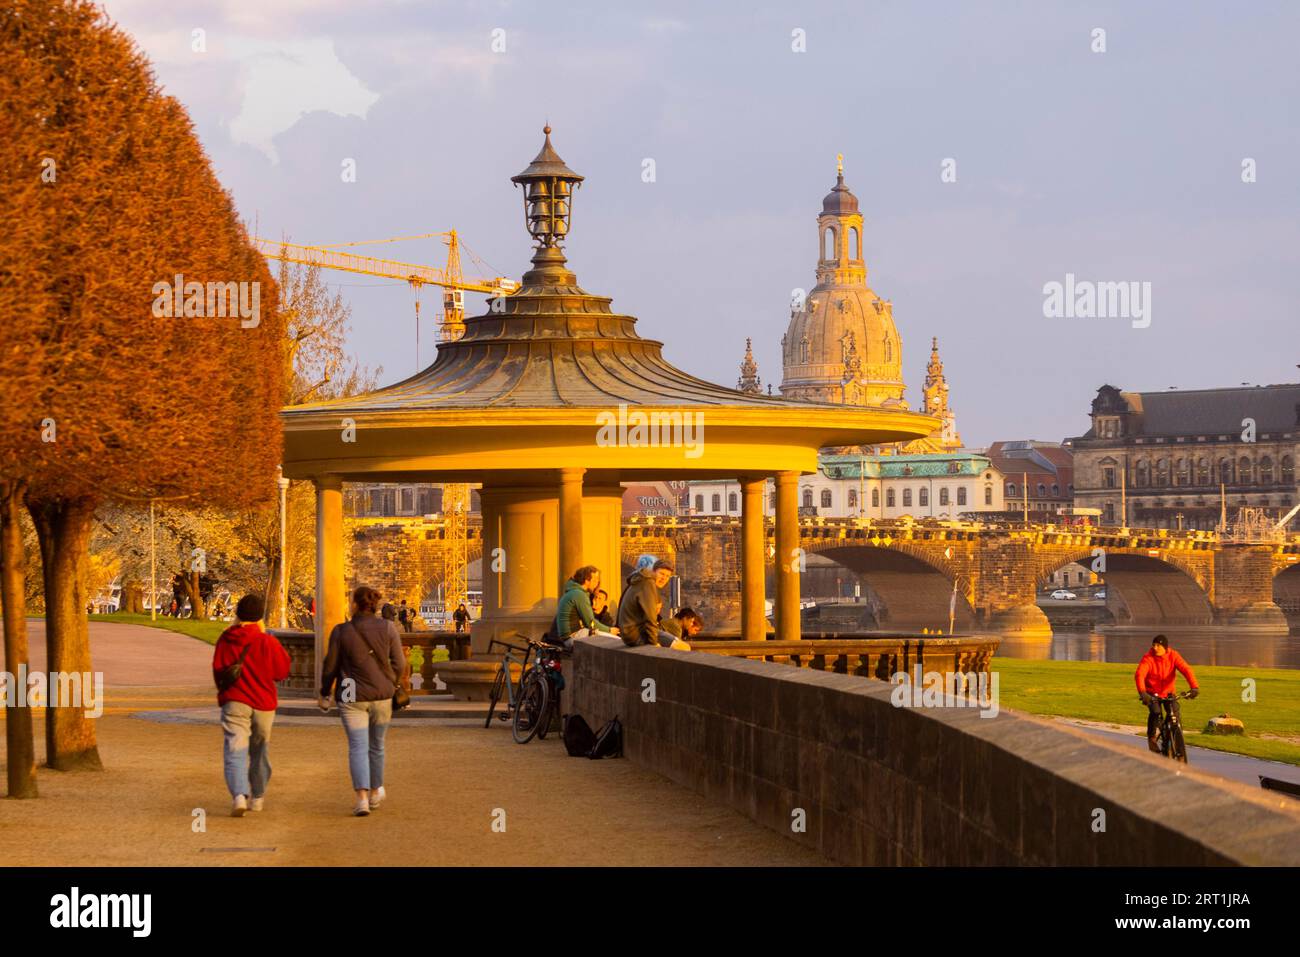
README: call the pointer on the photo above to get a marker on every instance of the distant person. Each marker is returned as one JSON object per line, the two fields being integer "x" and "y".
{"x": 639, "y": 608}
{"x": 461, "y": 617}
{"x": 362, "y": 670}
{"x": 574, "y": 617}
{"x": 246, "y": 664}
{"x": 1156, "y": 677}
{"x": 388, "y": 612}
{"x": 404, "y": 616}
{"x": 600, "y": 607}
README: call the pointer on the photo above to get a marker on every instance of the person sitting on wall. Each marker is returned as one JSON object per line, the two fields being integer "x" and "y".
{"x": 685, "y": 624}
{"x": 600, "y": 607}
{"x": 638, "y": 609}
{"x": 574, "y": 616}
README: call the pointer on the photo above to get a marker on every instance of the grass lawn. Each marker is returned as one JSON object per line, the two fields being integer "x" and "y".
{"x": 1097, "y": 691}
{"x": 208, "y": 631}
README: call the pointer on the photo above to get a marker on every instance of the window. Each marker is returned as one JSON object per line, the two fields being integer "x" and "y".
{"x": 1184, "y": 472}
{"x": 1225, "y": 471}
{"x": 1011, "y": 488}
{"x": 1266, "y": 471}
{"x": 731, "y": 502}
{"x": 699, "y": 503}
{"x": 1107, "y": 478}
{"x": 807, "y": 498}
{"x": 907, "y": 498}
{"x": 889, "y": 498}
{"x": 1288, "y": 470}
{"x": 826, "y": 498}
{"x": 875, "y": 498}
{"x": 988, "y": 494}
{"x": 1162, "y": 472}
{"x": 853, "y": 498}
{"x": 1142, "y": 477}
{"x": 1056, "y": 490}
{"x": 856, "y": 242}
{"x": 828, "y": 243}
{"x": 923, "y": 497}
{"x": 944, "y": 498}
{"x": 408, "y": 499}
{"x": 716, "y": 503}
{"x": 1110, "y": 513}
{"x": 1042, "y": 489}
{"x": 1243, "y": 470}
{"x": 961, "y": 496}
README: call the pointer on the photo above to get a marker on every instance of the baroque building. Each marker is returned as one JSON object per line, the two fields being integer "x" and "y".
{"x": 1189, "y": 459}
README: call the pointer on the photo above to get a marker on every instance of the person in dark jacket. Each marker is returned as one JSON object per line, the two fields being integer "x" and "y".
{"x": 639, "y": 608}
{"x": 600, "y": 607}
{"x": 362, "y": 669}
{"x": 461, "y": 617}
{"x": 687, "y": 623}
{"x": 248, "y": 702}
{"x": 388, "y": 612}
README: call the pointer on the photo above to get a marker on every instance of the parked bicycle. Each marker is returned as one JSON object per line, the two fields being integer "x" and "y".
{"x": 532, "y": 700}
{"x": 1170, "y": 737}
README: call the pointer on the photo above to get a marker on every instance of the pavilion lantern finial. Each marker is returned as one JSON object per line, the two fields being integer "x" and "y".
{"x": 548, "y": 200}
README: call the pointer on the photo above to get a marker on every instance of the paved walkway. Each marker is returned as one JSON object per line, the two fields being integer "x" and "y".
{"x": 449, "y": 782}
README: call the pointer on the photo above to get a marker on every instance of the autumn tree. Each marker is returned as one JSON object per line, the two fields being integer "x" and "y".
{"x": 147, "y": 350}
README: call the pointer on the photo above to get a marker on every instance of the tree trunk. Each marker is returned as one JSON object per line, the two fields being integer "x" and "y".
{"x": 132, "y": 601}
{"x": 190, "y": 582}
{"x": 20, "y": 746}
{"x": 64, "y": 528}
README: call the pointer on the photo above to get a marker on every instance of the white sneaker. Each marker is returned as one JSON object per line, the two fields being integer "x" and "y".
{"x": 239, "y": 807}
{"x": 362, "y": 808}
{"x": 256, "y": 804}
{"x": 376, "y": 797}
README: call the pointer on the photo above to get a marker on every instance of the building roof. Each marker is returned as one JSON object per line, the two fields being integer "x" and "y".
{"x": 903, "y": 466}
{"x": 1275, "y": 408}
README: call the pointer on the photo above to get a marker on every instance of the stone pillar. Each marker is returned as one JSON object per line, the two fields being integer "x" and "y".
{"x": 1243, "y": 590}
{"x": 602, "y": 523}
{"x": 788, "y": 556}
{"x": 521, "y": 562}
{"x": 331, "y": 591}
{"x": 753, "y": 616}
{"x": 570, "y": 530}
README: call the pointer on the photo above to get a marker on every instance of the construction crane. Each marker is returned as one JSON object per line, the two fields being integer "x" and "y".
{"x": 450, "y": 278}
{"x": 455, "y": 496}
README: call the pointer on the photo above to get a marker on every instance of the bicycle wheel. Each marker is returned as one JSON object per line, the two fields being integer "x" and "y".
{"x": 498, "y": 689}
{"x": 534, "y": 702}
{"x": 1178, "y": 750}
{"x": 545, "y": 718}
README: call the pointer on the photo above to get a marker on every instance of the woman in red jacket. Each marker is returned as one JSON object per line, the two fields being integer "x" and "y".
{"x": 1156, "y": 677}
{"x": 246, "y": 665}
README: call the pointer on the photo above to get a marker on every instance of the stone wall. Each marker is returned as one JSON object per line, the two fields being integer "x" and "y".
{"x": 894, "y": 786}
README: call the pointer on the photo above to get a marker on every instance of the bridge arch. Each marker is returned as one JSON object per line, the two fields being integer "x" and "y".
{"x": 910, "y": 587}
{"x": 1141, "y": 589}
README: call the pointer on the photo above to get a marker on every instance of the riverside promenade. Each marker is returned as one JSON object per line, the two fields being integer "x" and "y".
{"x": 448, "y": 781}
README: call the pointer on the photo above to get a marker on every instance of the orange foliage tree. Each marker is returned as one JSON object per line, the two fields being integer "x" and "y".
{"x": 147, "y": 355}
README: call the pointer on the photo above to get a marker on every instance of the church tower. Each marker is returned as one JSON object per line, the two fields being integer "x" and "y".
{"x": 936, "y": 402}
{"x": 749, "y": 381}
{"x": 841, "y": 344}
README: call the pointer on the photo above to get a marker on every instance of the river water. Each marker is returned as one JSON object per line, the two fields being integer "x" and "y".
{"x": 1200, "y": 646}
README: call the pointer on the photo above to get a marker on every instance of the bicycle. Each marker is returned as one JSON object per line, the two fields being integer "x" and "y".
{"x": 1170, "y": 733}
{"x": 531, "y": 704}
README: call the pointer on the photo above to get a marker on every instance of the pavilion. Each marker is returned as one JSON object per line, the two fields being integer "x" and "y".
{"x": 550, "y": 400}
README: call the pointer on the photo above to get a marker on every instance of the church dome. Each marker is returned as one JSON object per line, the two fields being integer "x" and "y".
{"x": 841, "y": 344}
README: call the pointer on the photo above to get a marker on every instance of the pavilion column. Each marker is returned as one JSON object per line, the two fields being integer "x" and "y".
{"x": 753, "y": 617}
{"x": 331, "y": 592}
{"x": 788, "y": 556}
{"x": 571, "y": 546}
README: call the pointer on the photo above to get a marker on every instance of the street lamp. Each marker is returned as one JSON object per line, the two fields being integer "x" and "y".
{"x": 284, "y": 580}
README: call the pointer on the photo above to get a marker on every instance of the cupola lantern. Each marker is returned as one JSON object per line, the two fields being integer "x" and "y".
{"x": 548, "y": 195}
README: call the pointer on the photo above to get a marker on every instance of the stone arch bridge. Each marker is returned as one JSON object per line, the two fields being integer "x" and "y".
{"x": 1154, "y": 576}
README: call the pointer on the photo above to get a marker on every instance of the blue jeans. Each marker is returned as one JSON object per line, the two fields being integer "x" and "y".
{"x": 247, "y": 737}
{"x": 366, "y": 723}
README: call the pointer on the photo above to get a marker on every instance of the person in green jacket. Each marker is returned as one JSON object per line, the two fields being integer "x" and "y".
{"x": 574, "y": 617}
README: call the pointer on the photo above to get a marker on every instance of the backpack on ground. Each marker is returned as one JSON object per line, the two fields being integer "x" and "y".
{"x": 579, "y": 739}
{"x": 609, "y": 741}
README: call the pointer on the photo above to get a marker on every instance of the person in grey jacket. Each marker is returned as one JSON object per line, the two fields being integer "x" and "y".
{"x": 364, "y": 663}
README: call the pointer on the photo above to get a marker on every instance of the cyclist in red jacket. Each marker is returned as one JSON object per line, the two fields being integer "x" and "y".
{"x": 1155, "y": 678}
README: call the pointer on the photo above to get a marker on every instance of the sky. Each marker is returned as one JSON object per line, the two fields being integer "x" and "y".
{"x": 1122, "y": 164}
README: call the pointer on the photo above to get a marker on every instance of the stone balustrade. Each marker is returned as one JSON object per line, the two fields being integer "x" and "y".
{"x": 424, "y": 650}
{"x": 875, "y": 657}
